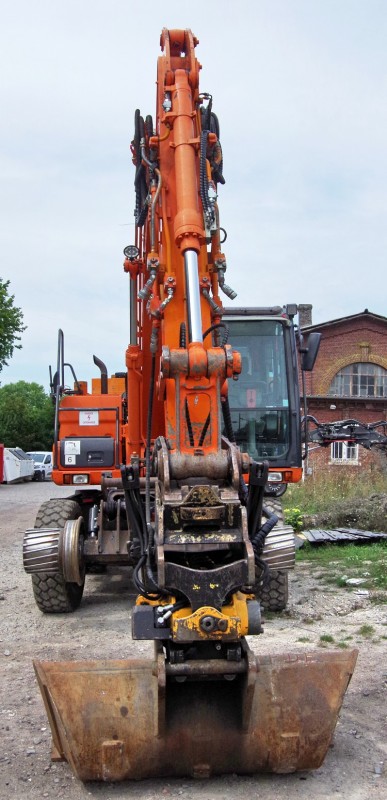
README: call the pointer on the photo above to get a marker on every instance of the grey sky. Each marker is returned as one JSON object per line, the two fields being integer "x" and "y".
{"x": 300, "y": 90}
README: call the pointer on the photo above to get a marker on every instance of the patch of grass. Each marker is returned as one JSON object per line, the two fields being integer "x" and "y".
{"x": 343, "y": 645}
{"x": 326, "y": 638}
{"x": 321, "y": 492}
{"x": 307, "y": 639}
{"x": 350, "y": 558}
{"x": 366, "y": 630}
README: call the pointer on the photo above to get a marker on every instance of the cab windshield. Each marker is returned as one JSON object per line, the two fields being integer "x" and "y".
{"x": 259, "y": 401}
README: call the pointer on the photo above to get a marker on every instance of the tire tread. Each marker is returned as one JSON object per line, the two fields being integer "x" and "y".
{"x": 274, "y": 594}
{"x": 51, "y": 592}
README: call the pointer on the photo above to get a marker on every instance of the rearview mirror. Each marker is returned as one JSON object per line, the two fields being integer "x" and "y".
{"x": 310, "y": 350}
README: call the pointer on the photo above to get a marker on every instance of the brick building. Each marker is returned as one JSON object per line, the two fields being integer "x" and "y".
{"x": 349, "y": 381}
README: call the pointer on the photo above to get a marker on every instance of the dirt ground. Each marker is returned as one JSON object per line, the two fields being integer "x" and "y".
{"x": 356, "y": 764}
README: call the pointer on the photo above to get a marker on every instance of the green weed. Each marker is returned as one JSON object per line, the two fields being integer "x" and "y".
{"x": 366, "y": 630}
{"x": 326, "y": 638}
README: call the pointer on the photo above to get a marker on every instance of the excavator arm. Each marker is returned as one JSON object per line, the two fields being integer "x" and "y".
{"x": 196, "y": 551}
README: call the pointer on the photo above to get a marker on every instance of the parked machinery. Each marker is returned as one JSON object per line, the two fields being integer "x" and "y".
{"x": 167, "y": 466}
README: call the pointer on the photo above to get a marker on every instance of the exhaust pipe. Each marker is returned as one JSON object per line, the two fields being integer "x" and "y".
{"x": 104, "y": 376}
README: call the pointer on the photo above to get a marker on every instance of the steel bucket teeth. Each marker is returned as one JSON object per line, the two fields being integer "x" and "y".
{"x": 118, "y": 720}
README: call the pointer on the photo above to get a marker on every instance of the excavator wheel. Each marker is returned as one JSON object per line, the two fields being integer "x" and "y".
{"x": 274, "y": 595}
{"x": 53, "y": 595}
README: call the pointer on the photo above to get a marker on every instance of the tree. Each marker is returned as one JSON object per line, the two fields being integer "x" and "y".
{"x": 11, "y": 324}
{"x": 26, "y": 416}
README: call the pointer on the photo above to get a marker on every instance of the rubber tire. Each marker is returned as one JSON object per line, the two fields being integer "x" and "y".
{"x": 52, "y": 594}
{"x": 274, "y": 595}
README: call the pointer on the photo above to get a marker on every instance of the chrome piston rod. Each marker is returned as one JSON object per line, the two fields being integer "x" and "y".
{"x": 195, "y": 330}
{"x": 133, "y": 312}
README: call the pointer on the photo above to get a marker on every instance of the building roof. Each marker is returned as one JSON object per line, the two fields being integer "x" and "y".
{"x": 366, "y": 314}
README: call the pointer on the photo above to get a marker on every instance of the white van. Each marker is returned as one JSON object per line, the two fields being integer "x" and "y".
{"x": 42, "y": 464}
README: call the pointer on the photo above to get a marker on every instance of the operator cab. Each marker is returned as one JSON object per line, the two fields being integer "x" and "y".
{"x": 265, "y": 400}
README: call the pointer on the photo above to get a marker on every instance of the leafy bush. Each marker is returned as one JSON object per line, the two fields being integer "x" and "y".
{"x": 293, "y": 517}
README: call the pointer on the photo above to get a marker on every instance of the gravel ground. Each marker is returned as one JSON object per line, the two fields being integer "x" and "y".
{"x": 355, "y": 766}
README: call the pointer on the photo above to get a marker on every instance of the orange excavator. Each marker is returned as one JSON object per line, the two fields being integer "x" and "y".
{"x": 167, "y": 466}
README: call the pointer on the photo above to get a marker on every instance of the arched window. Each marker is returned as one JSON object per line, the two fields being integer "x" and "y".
{"x": 359, "y": 380}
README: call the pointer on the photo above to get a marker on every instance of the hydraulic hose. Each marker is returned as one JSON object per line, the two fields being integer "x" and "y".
{"x": 203, "y": 184}
{"x": 258, "y": 538}
{"x": 153, "y": 208}
{"x": 227, "y": 420}
{"x": 258, "y": 541}
{"x": 147, "y": 522}
{"x": 141, "y": 189}
{"x": 148, "y": 443}
{"x": 217, "y": 326}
